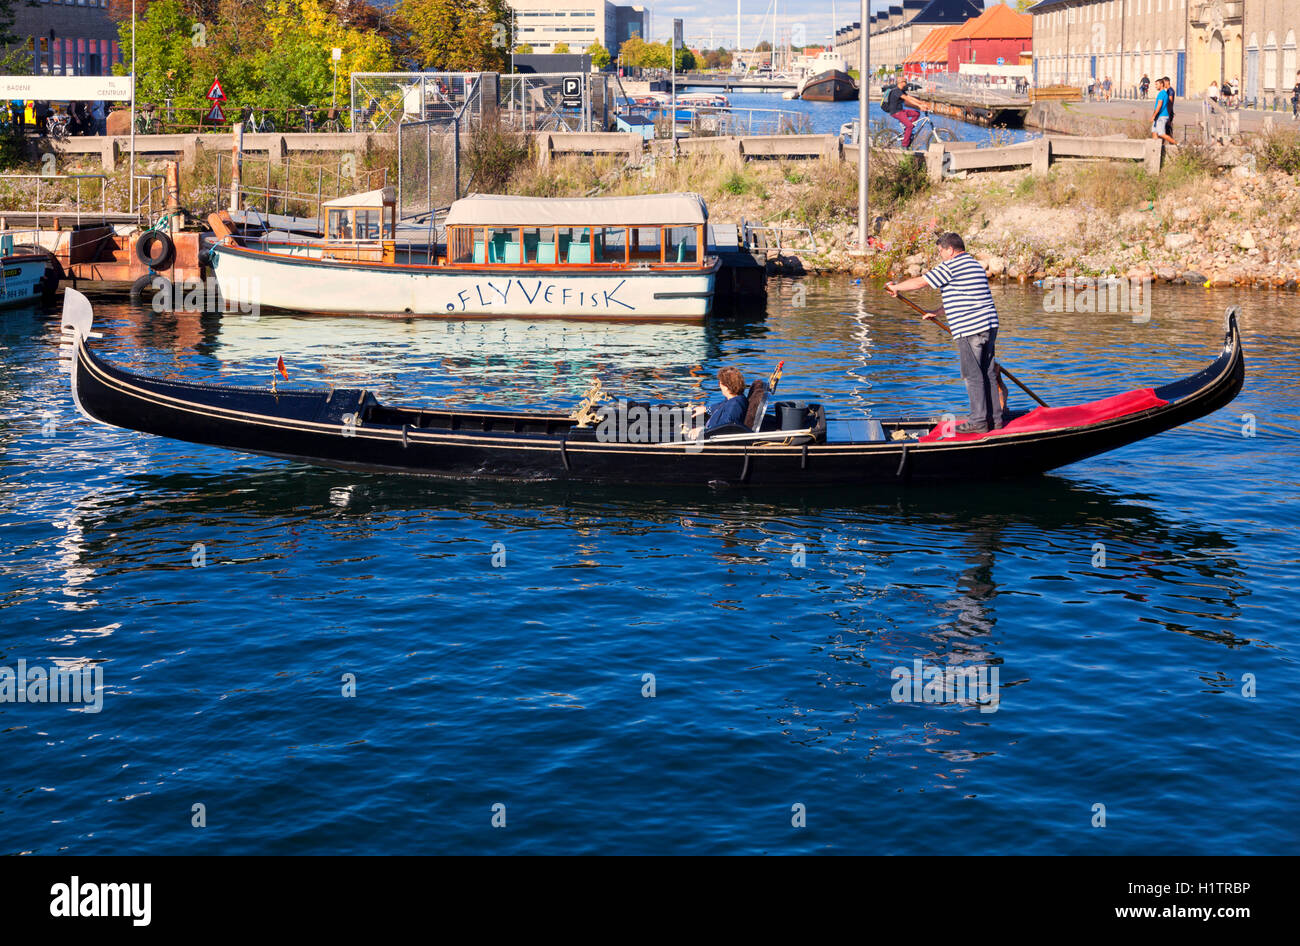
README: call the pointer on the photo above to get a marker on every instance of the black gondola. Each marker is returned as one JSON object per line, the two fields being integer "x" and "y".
{"x": 349, "y": 428}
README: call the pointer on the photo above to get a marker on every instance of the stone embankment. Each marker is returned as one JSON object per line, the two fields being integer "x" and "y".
{"x": 1234, "y": 225}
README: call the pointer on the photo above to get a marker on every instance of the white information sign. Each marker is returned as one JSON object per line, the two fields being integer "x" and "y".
{"x": 66, "y": 88}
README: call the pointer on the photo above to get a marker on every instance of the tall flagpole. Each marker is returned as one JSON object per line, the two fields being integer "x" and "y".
{"x": 130, "y": 186}
{"x": 864, "y": 104}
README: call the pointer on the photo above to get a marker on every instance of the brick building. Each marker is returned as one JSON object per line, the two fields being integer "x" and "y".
{"x": 72, "y": 37}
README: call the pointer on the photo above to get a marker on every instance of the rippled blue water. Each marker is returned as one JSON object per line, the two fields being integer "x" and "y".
{"x": 1120, "y": 684}
{"x": 826, "y": 118}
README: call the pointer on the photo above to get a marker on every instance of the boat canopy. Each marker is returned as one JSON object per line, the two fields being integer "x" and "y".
{"x": 383, "y": 197}
{"x": 649, "y": 210}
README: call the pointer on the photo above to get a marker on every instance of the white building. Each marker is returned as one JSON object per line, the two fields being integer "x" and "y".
{"x": 542, "y": 24}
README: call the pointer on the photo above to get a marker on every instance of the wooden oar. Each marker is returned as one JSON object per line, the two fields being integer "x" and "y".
{"x": 1001, "y": 370}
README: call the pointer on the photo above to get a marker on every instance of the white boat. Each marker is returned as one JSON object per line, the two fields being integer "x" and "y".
{"x": 22, "y": 272}
{"x": 590, "y": 258}
{"x": 703, "y": 100}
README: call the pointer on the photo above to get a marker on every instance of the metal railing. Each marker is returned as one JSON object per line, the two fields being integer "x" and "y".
{"x": 725, "y": 120}
{"x": 1221, "y": 124}
{"x": 140, "y": 203}
{"x": 76, "y": 208}
{"x": 270, "y": 191}
{"x": 984, "y": 90}
{"x": 755, "y": 236}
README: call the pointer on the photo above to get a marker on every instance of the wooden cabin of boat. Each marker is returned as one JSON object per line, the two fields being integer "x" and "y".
{"x": 655, "y": 231}
{"x": 362, "y": 226}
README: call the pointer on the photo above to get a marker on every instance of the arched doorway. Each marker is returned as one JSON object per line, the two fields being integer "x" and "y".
{"x": 1218, "y": 54}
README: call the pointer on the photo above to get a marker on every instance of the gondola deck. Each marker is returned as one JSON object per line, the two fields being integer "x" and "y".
{"x": 349, "y": 428}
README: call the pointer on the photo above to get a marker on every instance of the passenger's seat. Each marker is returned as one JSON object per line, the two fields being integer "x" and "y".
{"x": 757, "y": 408}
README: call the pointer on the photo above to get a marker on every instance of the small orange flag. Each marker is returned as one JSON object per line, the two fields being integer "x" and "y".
{"x": 279, "y": 366}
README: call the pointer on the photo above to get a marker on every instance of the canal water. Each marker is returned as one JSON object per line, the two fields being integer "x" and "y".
{"x": 826, "y": 118}
{"x": 309, "y": 661}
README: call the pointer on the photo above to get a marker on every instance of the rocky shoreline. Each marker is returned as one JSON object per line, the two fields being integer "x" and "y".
{"x": 1233, "y": 223}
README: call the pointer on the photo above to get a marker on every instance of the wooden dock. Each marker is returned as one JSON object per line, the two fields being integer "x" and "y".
{"x": 978, "y": 109}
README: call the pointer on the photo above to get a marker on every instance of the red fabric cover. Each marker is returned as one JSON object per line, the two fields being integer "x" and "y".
{"x": 1055, "y": 418}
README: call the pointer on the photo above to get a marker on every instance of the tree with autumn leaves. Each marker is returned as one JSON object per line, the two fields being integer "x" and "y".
{"x": 277, "y": 53}
{"x": 274, "y": 54}
{"x": 458, "y": 35}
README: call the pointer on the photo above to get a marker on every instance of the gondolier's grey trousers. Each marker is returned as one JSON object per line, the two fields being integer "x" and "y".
{"x": 979, "y": 371}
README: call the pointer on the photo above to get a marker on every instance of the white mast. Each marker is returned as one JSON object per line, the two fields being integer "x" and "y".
{"x": 773, "y": 56}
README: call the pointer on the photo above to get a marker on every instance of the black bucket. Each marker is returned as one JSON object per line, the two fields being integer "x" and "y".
{"x": 792, "y": 415}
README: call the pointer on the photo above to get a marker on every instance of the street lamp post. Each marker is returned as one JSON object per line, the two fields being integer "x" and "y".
{"x": 336, "y": 54}
{"x": 130, "y": 184}
{"x": 864, "y": 106}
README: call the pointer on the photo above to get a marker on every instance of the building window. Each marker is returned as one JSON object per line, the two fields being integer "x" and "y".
{"x": 1270, "y": 62}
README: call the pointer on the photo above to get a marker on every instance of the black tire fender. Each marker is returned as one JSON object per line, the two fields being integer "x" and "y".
{"x": 158, "y": 287}
{"x": 155, "y": 249}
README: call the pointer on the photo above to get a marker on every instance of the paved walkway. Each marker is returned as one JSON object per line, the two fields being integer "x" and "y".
{"x": 1252, "y": 119}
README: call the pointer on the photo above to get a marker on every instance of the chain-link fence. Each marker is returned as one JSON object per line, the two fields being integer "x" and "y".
{"x": 553, "y": 101}
{"x": 428, "y": 166}
{"x": 380, "y": 101}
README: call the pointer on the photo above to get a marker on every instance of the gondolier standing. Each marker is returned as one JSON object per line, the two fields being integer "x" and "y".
{"x": 973, "y": 319}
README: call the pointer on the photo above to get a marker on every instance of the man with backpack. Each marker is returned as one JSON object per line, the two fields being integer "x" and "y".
{"x": 896, "y": 102}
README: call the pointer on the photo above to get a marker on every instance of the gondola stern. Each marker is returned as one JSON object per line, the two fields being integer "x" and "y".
{"x": 1232, "y": 332}
{"x": 75, "y": 329}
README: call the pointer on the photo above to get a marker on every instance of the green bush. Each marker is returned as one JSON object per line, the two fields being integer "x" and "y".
{"x": 1192, "y": 162}
{"x": 13, "y": 151}
{"x": 736, "y": 183}
{"x": 491, "y": 156}
{"x": 896, "y": 179}
{"x": 1280, "y": 150}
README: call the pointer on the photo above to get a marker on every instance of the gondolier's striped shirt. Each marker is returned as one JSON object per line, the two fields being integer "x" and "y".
{"x": 966, "y": 298}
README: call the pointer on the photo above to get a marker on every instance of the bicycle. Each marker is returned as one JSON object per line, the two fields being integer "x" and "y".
{"x": 57, "y": 126}
{"x": 255, "y": 126}
{"x": 146, "y": 122}
{"x": 332, "y": 123}
{"x": 923, "y": 132}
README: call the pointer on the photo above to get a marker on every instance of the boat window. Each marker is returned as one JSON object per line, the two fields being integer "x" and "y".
{"x": 461, "y": 243}
{"x": 574, "y": 244}
{"x": 645, "y": 243}
{"x": 338, "y": 220}
{"x": 612, "y": 245}
{"x": 368, "y": 224}
{"x": 679, "y": 244}
{"x": 543, "y": 249}
{"x": 501, "y": 246}
{"x": 530, "y": 237}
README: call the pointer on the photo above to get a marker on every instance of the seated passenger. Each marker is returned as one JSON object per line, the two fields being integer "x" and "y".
{"x": 731, "y": 411}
